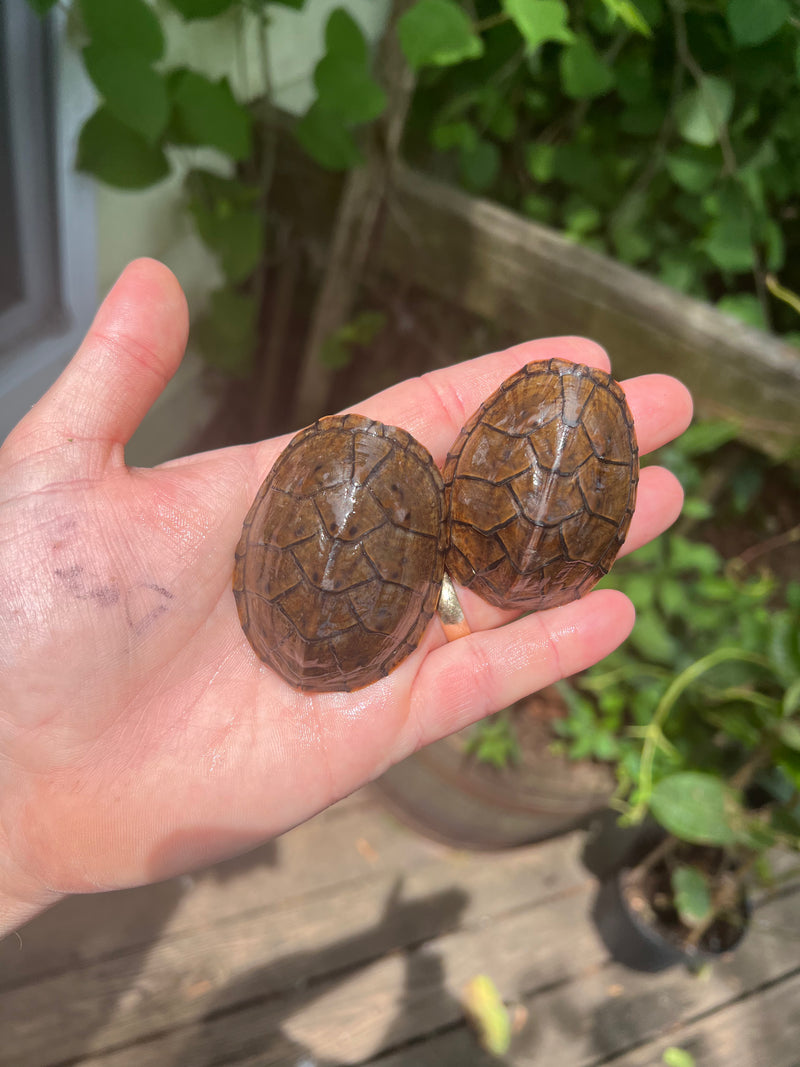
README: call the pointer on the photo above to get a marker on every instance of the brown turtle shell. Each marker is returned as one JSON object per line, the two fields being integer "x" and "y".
{"x": 540, "y": 487}
{"x": 340, "y": 562}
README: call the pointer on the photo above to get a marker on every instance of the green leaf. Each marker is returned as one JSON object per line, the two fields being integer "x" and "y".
{"x": 774, "y": 245}
{"x": 540, "y": 21}
{"x": 338, "y": 349}
{"x": 627, "y": 12}
{"x": 327, "y": 140}
{"x": 696, "y": 807}
{"x": 729, "y": 243}
{"x": 201, "y": 9}
{"x": 691, "y": 173}
{"x": 126, "y": 24}
{"x": 630, "y": 231}
{"x": 348, "y": 92}
{"x": 479, "y": 166}
{"x": 752, "y": 22}
{"x": 539, "y": 208}
{"x": 584, "y": 75}
{"x": 497, "y": 113}
{"x": 642, "y": 120}
{"x": 791, "y": 699}
{"x": 134, "y": 93}
{"x": 744, "y": 306}
{"x": 343, "y": 37}
{"x": 678, "y": 269}
{"x": 677, "y": 1057}
{"x": 580, "y": 217}
{"x": 694, "y": 556}
{"x": 697, "y": 509}
{"x": 489, "y": 1015}
{"x": 692, "y": 898}
{"x": 207, "y": 113}
{"x": 437, "y": 33}
{"x": 653, "y": 640}
{"x": 344, "y": 84}
{"x": 540, "y": 160}
{"x": 494, "y": 741}
{"x": 702, "y": 112}
{"x": 634, "y": 71}
{"x": 789, "y": 733}
{"x": 450, "y": 135}
{"x": 672, "y": 594}
{"x": 226, "y": 333}
{"x": 707, "y": 435}
{"x": 235, "y": 236}
{"x": 117, "y": 155}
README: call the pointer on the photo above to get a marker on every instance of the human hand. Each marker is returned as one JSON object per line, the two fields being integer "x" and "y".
{"x": 139, "y": 734}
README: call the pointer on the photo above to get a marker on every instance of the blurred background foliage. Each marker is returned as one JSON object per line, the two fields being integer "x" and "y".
{"x": 665, "y": 133}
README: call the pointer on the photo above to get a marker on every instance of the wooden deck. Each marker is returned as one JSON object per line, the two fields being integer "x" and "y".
{"x": 349, "y": 941}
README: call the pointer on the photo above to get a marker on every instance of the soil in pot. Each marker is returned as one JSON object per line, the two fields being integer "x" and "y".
{"x": 448, "y": 794}
{"x": 636, "y": 915}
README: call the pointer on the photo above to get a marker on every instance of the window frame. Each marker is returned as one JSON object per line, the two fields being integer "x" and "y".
{"x": 50, "y": 97}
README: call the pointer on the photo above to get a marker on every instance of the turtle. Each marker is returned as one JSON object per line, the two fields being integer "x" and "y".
{"x": 540, "y": 487}
{"x": 340, "y": 561}
{"x": 340, "y": 564}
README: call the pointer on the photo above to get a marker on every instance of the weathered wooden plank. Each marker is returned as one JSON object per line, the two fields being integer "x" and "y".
{"x": 350, "y": 1017}
{"x": 528, "y": 277}
{"x": 349, "y": 840}
{"x": 762, "y": 1031}
{"x": 532, "y": 281}
{"x": 608, "y": 1010}
{"x": 213, "y": 965}
{"x": 581, "y": 1009}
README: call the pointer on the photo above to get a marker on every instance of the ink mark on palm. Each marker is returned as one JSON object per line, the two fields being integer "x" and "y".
{"x": 84, "y": 585}
{"x": 144, "y": 603}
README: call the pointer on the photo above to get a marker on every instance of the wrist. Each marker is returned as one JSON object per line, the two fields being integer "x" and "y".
{"x": 22, "y": 897}
{"x": 14, "y": 911}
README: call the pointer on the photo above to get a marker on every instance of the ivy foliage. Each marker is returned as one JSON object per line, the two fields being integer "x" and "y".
{"x": 709, "y": 678}
{"x": 662, "y": 132}
{"x": 665, "y": 133}
{"x": 149, "y": 113}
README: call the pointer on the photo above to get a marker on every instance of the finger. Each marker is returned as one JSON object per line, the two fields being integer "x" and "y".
{"x": 435, "y": 406}
{"x": 132, "y": 349}
{"x": 460, "y": 682}
{"x": 658, "y": 504}
{"x": 661, "y": 407}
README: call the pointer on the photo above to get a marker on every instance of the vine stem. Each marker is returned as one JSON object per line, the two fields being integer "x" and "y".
{"x": 781, "y": 540}
{"x": 731, "y": 164}
{"x": 654, "y": 733}
{"x": 782, "y": 293}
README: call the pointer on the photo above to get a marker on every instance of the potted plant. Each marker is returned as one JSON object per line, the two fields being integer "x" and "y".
{"x": 499, "y": 783}
{"x": 682, "y": 895}
{"x": 701, "y": 710}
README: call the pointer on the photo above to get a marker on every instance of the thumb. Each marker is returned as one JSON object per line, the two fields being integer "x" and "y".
{"x": 131, "y": 351}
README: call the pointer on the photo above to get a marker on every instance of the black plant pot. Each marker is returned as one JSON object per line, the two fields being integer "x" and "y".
{"x": 641, "y": 944}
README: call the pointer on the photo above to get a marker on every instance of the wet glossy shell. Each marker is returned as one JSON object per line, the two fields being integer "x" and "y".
{"x": 540, "y": 487}
{"x": 340, "y": 562}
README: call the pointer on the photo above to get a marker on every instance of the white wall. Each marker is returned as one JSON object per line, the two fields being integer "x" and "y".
{"x": 121, "y": 226}
{"x": 153, "y": 222}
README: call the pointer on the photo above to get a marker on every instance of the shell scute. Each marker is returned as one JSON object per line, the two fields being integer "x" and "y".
{"x": 569, "y": 428}
{"x": 341, "y": 557}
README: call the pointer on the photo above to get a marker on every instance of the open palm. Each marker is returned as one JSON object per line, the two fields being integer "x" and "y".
{"x": 139, "y": 734}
